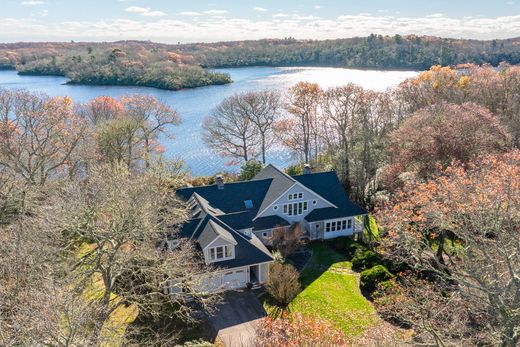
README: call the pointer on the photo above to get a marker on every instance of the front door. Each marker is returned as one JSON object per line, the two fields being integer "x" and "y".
{"x": 254, "y": 274}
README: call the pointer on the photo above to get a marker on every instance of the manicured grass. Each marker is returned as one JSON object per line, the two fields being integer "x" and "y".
{"x": 331, "y": 292}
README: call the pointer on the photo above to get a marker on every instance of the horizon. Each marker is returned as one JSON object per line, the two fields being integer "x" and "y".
{"x": 201, "y": 21}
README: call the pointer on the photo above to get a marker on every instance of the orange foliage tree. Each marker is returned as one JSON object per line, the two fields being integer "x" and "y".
{"x": 39, "y": 135}
{"x": 297, "y": 330}
{"x": 437, "y": 135}
{"x": 477, "y": 206}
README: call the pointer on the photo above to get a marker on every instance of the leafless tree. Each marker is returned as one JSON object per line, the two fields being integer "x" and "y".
{"x": 230, "y": 130}
{"x": 262, "y": 109}
{"x": 283, "y": 283}
{"x": 286, "y": 240}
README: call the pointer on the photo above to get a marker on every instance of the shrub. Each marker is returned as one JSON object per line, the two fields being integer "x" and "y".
{"x": 287, "y": 240}
{"x": 372, "y": 277}
{"x": 294, "y": 170}
{"x": 278, "y": 257}
{"x": 354, "y": 248}
{"x": 283, "y": 283}
{"x": 365, "y": 259}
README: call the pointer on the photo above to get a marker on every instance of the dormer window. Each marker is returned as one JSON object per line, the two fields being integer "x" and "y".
{"x": 221, "y": 252}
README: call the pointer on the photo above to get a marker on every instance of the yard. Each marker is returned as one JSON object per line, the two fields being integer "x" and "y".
{"x": 331, "y": 292}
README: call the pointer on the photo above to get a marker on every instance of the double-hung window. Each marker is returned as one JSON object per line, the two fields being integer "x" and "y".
{"x": 221, "y": 252}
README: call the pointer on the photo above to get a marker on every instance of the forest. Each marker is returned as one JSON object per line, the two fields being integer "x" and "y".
{"x": 170, "y": 66}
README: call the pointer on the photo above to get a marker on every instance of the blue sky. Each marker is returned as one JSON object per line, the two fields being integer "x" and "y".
{"x": 189, "y": 21}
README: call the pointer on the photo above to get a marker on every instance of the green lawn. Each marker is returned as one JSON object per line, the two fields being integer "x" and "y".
{"x": 331, "y": 292}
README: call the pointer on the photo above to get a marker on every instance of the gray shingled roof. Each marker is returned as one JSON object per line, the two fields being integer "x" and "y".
{"x": 269, "y": 222}
{"x": 281, "y": 182}
{"x": 329, "y": 187}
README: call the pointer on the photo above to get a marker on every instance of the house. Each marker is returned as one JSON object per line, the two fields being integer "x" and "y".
{"x": 233, "y": 222}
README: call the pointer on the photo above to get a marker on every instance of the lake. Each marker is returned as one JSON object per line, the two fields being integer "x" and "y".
{"x": 195, "y": 104}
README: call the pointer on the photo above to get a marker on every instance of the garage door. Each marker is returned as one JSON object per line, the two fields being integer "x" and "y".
{"x": 235, "y": 279}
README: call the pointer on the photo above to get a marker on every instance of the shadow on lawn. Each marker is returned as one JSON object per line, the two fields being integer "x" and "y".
{"x": 323, "y": 258}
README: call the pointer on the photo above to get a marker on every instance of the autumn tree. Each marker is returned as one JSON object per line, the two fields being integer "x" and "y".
{"x": 230, "y": 130}
{"x": 475, "y": 209}
{"x": 154, "y": 118}
{"x": 435, "y": 136}
{"x": 297, "y": 330}
{"x": 127, "y": 130}
{"x": 355, "y": 126}
{"x": 300, "y": 131}
{"x": 497, "y": 89}
{"x": 102, "y": 108}
{"x": 39, "y": 135}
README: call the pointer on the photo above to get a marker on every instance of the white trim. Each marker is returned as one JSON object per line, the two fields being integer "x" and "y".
{"x": 216, "y": 260}
{"x": 215, "y": 239}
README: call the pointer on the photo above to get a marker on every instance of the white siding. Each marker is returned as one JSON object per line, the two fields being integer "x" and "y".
{"x": 277, "y": 207}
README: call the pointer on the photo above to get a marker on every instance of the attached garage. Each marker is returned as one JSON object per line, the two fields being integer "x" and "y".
{"x": 234, "y": 279}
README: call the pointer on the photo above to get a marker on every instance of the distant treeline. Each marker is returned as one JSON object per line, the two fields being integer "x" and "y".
{"x": 374, "y": 51}
{"x": 167, "y": 66}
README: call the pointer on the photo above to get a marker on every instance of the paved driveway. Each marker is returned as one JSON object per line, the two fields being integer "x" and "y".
{"x": 236, "y": 317}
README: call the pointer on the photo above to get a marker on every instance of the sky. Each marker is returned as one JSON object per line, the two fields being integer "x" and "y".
{"x": 172, "y": 21}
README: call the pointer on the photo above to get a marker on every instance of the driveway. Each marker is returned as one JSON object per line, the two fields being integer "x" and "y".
{"x": 236, "y": 317}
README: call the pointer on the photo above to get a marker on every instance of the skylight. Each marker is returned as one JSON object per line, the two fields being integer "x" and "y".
{"x": 248, "y": 204}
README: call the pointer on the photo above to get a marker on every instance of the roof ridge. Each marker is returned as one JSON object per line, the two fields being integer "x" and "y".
{"x": 316, "y": 173}
{"x": 226, "y": 183}
{"x": 280, "y": 171}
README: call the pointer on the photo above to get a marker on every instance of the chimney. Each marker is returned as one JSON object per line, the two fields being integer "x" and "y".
{"x": 307, "y": 169}
{"x": 219, "y": 180}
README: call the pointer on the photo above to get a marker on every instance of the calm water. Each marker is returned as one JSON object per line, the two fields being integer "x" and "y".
{"x": 196, "y": 104}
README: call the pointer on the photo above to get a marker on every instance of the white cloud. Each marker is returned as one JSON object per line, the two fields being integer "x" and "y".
{"x": 145, "y": 11}
{"x": 317, "y": 7}
{"x": 510, "y": 3}
{"x": 216, "y": 12}
{"x": 190, "y": 13}
{"x": 260, "y": 9}
{"x": 33, "y": 3}
{"x": 208, "y": 28}
{"x": 280, "y": 15}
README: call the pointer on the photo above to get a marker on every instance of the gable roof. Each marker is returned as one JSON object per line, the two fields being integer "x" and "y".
{"x": 281, "y": 182}
{"x": 327, "y": 185}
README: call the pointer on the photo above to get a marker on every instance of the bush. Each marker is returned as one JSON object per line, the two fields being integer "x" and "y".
{"x": 283, "y": 283}
{"x": 294, "y": 170}
{"x": 372, "y": 277}
{"x": 287, "y": 240}
{"x": 354, "y": 248}
{"x": 365, "y": 259}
